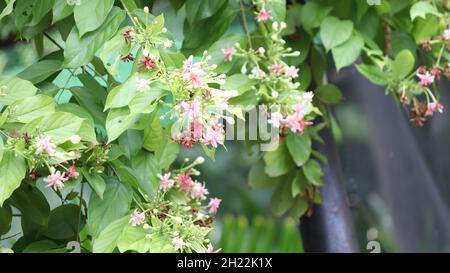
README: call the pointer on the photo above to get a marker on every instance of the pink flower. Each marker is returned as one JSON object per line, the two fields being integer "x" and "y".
{"x": 211, "y": 249}
{"x": 433, "y": 107}
{"x": 276, "y": 68}
{"x": 299, "y": 109}
{"x": 276, "y": 119}
{"x": 165, "y": 181}
{"x": 214, "y": 205}
{"x": 197, "y": 131}
{"x": 264, "y": 15}
{"x": 258, "y": 73}
{"x": 447, "y": 33}
{"x": 45, "y": 145}
{"x": 137, "y": 218}
{"x": 198, "y": 190}
{"x": 72, "y": 172}
{"x": 195, "y": 76}
{"x": 191, "y": 110}
{"x": 292, "y": 71}
{"x": 188, "y": 64}
{"x": 229, "y": 52}
{"x": 308, "y": 97}
{"x": 56, "y": 180}
{"x": 185, "y": 181}
{"x": 213, "y": 137}
{"x": 148, "y": 63}
{"x": 297, "y": 123}
{"x": 425, "y": 78}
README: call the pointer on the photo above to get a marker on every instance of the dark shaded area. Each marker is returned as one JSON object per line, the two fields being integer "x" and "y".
{"x": 408, "y": 197}
{"x": 330, "y": 228}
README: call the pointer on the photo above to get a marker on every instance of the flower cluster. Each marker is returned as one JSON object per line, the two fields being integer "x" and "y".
{"x": 199, "y": 108}
{"x": 417, "y": 94}
{"x": 41, "y": 151}
{"x": 278, "y": 88}
{"x": 176, "y": 210}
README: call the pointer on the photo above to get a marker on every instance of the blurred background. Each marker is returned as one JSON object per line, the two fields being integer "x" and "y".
{"x": 397, "y": 175}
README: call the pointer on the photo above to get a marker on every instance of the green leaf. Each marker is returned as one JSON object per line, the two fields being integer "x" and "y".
{"x": 167, "y": 152}
{"x": 93, "y": 100}
{"x": 87, "y": 129}
{"x": 422, "y": 8}
{"x": 147, "y": 168}
{"x": 115, "y": 204}
{"x": 118, "y": 121}
{"x": 40, "y": 71}
{"x": 122, "y": 95}
{"x": 1, "y": 148}
{"x": 43, "y": 246}
{"x": 32, "y": 204}
{"x": 299, "y": 147}
{"x": 14, "y": 89}
{"x": 134, "y": 238}
{"x": 199, "y": 10}
{"x": 329, "y": 94}
{"x": 80, "y": 51}
{"x": 373, "y": 74}
{"x": 161, "y": 243}
{"x": 403, "y": 64}
{"x": 61, "y": 10}
{"x": 39, "y": 11}
{"x": 239, "y": 82}
{"x": 8, "y": 9}
{"x": 153, "y": 134}
{"x": 278, "y": 9}
{"x": 30, "y": 108}
{"x": 299, "y": 207}
{"x": 424, "y": 29}
{"x": 348, "y": 52}
{"x": 312, "y": 14}
{"x": 144, "y": 102}
{"x": 58, "y": 126}
{"x": 213, "y": 28}
{"x": 12, "y": 172}
{"x": 257, "y": 178}
{"x": 107, "y": 239}
{"x": 278, "y": 162}
{"x": 282, "y": 198}
{"x": 299, "y": 183}
{"x": 131, "y": 142}
{"x": 5, "y": 219}
{"x": 313, "y": 172}
{"x": 63, "y": 222}
{"x": 334, "y": 31}
{"x": 96, "y": 182}
{"x": 86, "y": 20}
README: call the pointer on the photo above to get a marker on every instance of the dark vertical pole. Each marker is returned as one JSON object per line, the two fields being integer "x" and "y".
{"x": 330, "y": 228}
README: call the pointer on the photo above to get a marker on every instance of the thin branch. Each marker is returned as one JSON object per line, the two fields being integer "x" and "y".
{"x": 53, "y": 40}
{"x": 244, "y": 23}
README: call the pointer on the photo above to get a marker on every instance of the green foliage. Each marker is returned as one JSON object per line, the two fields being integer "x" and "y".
{"x": 115, "y": 137}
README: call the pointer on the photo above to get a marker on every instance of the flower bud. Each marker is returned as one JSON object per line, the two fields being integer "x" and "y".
{"x": 146, "y": 10}
{"x": 199, "y": 160}
{"x": 275, "y": 26}
{"x": 75, "y": 139}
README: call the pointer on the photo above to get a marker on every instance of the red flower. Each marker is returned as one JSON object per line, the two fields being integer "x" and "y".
{"x": 148, "y": 63}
